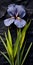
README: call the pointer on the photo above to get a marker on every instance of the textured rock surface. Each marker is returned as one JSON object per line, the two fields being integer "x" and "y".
{"x": 29, "y": 35}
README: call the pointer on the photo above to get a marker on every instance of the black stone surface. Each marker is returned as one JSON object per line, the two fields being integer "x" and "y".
{"x": 29, "y": 35}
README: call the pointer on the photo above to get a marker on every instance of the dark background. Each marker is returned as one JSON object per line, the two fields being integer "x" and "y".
{"x": 29, "y": 36}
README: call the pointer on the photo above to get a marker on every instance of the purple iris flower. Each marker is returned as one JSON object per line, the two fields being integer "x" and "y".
{"x": 16, "y": 12}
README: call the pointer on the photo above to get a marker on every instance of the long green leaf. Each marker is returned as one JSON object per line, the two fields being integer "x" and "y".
{"x": 10, "y": 49}
{"x": 8, "y": 46}
{"x": 24, "y": 33}
{"x": 9, "y": 38}
{"x": 26, "y": 53}
{"x": 21, "y": 36}
{"x": 17, "y": 43}
{"x": 17, "y": 61}
{"x": 21, "y": 54}
{"x": 6, "y": 57}
{"x": 3, "y": 42}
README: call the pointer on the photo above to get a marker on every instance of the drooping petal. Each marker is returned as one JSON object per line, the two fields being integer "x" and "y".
{"x": 21, "y": 10}
{"x": 20, "y": 23}
{"x": 11, "y": 9}
{"x": 8, "y": 21}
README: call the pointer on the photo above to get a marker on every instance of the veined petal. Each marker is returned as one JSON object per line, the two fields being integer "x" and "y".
{"x": 21, "y": 10}
{"x": 11, "y": 9}
{"x": 20, "y": 23}
{"x": 8, "y": 21}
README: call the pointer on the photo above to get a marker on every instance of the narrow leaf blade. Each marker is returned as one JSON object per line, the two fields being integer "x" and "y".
{"x": 26, "y": 53}
{"x": 9, "y": 37}
{"x": 23, "y": 34}
{"x": 5, "y": 57}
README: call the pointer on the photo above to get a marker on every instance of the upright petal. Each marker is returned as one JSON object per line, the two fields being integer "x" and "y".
{"x": 8, "y": 21}
{"x": 20, "y": 23}
{"x": 11, "y": 9}
{"x": 21, "y": 10}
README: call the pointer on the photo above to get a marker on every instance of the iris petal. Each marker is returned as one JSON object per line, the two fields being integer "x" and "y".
{"x": 20, "y": 23}
{"x": 21, "y": 10}
{"x": 8, "y": 21}
{"x": 11, "y": 9}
